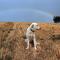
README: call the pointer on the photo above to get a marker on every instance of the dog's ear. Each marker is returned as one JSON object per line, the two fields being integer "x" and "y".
{"x": 32, "y": 26}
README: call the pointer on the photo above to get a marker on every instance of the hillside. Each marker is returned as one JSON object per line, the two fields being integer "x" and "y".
{"x": 12, "y": 45}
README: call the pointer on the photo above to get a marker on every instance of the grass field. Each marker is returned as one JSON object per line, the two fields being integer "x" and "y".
{"x": 12, "y": 45}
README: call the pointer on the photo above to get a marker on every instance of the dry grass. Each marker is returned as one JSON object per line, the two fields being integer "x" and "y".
{"x": 12, "y": 45}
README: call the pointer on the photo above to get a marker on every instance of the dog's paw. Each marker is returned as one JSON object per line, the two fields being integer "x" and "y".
{"x": 27, "y": 48}
{"x": 38, "y": 43}
{"x": 35, "y": 48}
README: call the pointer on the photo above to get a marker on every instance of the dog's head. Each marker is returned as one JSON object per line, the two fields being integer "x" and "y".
{"x": 34, "y": 26}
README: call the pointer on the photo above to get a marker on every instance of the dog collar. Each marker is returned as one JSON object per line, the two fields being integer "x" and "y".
{"x": 32, "y": 30}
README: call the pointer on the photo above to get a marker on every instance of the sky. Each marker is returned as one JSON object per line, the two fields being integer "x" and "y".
{"x": 29, "y": 10}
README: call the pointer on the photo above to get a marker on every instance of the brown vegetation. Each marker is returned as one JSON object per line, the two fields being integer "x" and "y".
{"x": 12, "y": 45}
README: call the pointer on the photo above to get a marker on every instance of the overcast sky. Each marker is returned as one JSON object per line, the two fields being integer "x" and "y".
{"x": 29, "y": 10}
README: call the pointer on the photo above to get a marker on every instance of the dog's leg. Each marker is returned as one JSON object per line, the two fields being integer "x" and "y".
{"x": 27, "y": 41}
{"x": 35, "y": 42}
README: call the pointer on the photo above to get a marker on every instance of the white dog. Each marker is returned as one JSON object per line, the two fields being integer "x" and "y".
{"x": 30, "y": 34}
